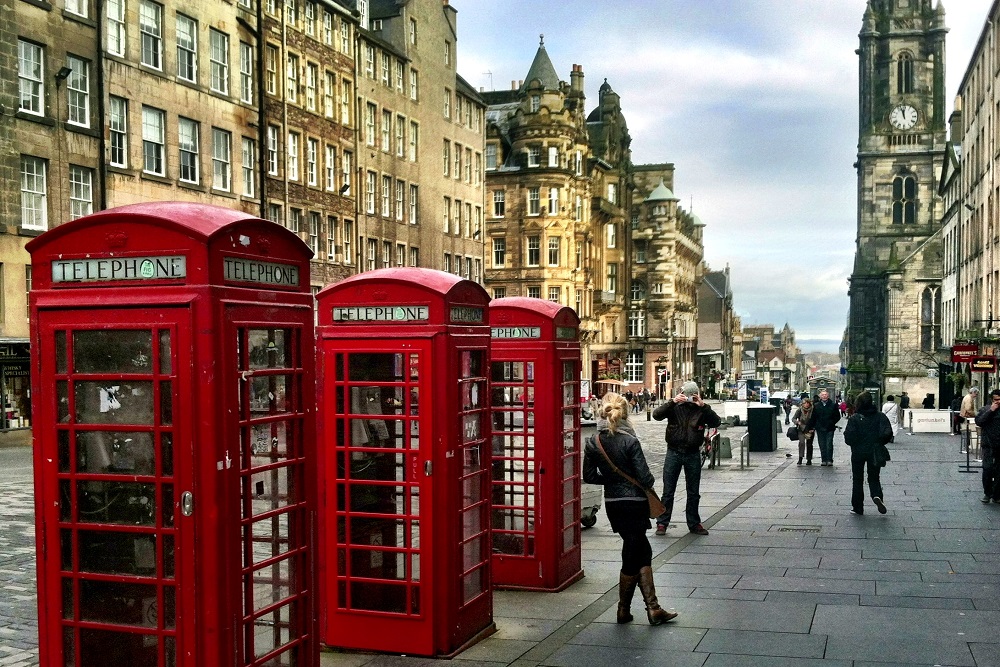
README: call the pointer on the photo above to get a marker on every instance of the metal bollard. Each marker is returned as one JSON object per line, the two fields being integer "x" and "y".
{"x": 649, "y": 412}
{"x": 743, "y": 440}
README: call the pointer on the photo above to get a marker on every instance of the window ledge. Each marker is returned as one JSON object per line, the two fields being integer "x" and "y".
{"x": 40, "y": 3}
{"x": 29, "y": 231}
{"x": 187, "y": 185}
{"x": 81, "y": 129}
{"x": 123, "y": 171}
{"x": 41, "y": 120}
{"x": 146, "y": 176}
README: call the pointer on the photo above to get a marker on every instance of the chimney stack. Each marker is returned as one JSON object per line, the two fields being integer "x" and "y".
{"x": 576, "y": 79}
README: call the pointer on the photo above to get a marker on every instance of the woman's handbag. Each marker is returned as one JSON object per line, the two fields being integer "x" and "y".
{"x": 656, "y": 507}
{"x": 881, "y": 455}
{"x": 792, "y": 432}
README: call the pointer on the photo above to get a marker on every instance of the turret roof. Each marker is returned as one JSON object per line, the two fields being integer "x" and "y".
{"x": 661, "y": 193}
{"x": 542, "y": 69}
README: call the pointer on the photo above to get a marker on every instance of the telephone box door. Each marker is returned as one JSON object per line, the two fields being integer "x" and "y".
{"x": 276, "y": 585}
{"x": 117, "y": 537}
{"x": 378, "y": 407}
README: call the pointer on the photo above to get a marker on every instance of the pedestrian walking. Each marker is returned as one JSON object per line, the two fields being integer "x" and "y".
{"x": 801, "y": 420}
{"x": 956, "y": 415}
{"x": 988, "y": 420}
{"x": 788, "y": 408}
{"x": 866, "y": 429}
{"x": 904, "y": 401}
{"x": 826, "y": 414}
{"x": 891, "y": 411}
{"x": 928, "y": 402}
{"x": 613, "y": 450}
{"x": 687, "y": 418}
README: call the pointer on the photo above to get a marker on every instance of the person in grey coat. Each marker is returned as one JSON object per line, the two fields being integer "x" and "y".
{"x": 625, "y": 503}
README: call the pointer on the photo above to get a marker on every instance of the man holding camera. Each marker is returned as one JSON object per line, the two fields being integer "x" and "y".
{"x": 687, "y": 418}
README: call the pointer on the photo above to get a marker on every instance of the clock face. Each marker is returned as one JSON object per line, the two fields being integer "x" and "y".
{"x": 903, "y": 117}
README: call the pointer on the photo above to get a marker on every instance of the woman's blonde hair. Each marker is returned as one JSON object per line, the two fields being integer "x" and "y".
{"x": 614, "y": 408}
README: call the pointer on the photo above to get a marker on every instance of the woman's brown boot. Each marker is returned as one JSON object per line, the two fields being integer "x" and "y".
{"x": 654, "y": 612}
{"x": 626, "y": 589}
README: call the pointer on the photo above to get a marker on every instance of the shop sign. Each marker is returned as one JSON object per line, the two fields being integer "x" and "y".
{"x": 963, "y": 353}
{"x": 984, "y": 364}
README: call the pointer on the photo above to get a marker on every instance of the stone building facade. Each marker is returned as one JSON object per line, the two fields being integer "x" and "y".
{"x": 893, "y": 335}
{"x": 715, "y": 331}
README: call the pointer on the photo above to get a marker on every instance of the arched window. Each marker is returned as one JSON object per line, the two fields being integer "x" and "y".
{"x": 930, "y": 319}
{"x": 904, "y": 199}
{"x": 638, "y": 290}
{"x": 904, "y": 73}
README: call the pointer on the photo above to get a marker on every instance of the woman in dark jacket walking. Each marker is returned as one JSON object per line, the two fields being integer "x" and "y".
{"x": 626, "y": 504}
{"x": 801, "y": 421}
{"x": 866, "y": 429}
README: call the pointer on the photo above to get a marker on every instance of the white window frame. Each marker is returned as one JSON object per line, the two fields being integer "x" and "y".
{"x": 78, "y": 92}
{"x": 34, "y": 193}
{"x": 246, "y": 72}
{"x": 292, "y": 78}
{"x": 292, "y": 153}
{"x": 151, "y": 34}
{"x": 222, "y": 160}
{"x": 31, "y": 76}
{"x": 331, "y": 167}
{"x": 533, "y": 253}
{"x": 414, "y": 140}
{"x": 78, "y": 7}
{"x": 370, "y": 111}
{"x": 249, "y": 155}
{"x": 400, "y": 136}
{"x": 118, "y": 131}
{"x": 271, "y": 68}
{"x": 499, "y": 203}
{"x": 400, "y": 205}
{"x": 386, "y": 196}
{"x": 273, "y": 148}
{"x": 414, "y": 201}
{"x": 81, "y": 191}
{"x": 329, "y": 89}
{"x": 312, "y": 161}
{"x": 386, "y": 131}
{"x": 154, "y": 141}
{"x": 491, "y": 157}
{"x": 534, "y": 156}
{"x": 188, "y": 150}
{"x": 553, "y": 156}
{"x": 115, "y": 27}
{"x": 346, "y": 159}
{"x": 186, "y": 29}
{"x": 370, "y": 185}
{"x": 553, "y": 201}
{"x": 312, "y": 80}
{"x": 348, "y": 242}
{"x": 218, "y": 55}
{"x": 534, "y": 201}
{"x": 554, "y": 250}
{"x": 634, "y": 366}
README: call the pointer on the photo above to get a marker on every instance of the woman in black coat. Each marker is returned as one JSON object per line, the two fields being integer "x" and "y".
{"x": 866, "y": 429}
{"x": 626, "y": 504}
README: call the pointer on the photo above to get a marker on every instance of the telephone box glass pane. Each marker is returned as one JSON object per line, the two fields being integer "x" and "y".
{"x": 119, "y": 452}
{"x": 119, "y": 603}
{"x": 62, "y": 401}
{"x": 375, "y": 367}
{"x": 124, "y": 503}
{"x": 106, "y": 647}
{"x": 64, "y": 455}
{"x": 106, "y": 552}
{"x": 269, "y": 348}
{"x": 61, "y": 352}
{"x": 114, "y": 402}
{"x": 113, "y": 351}
{"x": 165, "y": 361}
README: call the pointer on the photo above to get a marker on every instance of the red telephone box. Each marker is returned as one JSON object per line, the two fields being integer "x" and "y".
{"x": 173, "y": 372}
{"x": 535, "y": 385}
{"x": 404, "y": 427}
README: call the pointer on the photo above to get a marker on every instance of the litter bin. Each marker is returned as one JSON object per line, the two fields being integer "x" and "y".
{"x": 762, "y": 428}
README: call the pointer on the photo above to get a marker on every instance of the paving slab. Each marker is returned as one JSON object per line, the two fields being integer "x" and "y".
{"x": 777, "y": 644}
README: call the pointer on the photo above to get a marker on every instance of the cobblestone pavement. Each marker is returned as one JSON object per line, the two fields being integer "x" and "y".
{"x": 18, "y": 609}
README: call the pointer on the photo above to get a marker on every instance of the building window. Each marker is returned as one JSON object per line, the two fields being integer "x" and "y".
{"x": 329, "y": 86}
{"x": 638, "y": 290}
{"x": 930, "y": 319}
{"x": 413, "y": 32}
{"x": 293, "y": 156}
{"x": 292, "y": 79}
{"x": 331, "y": 167}
{"x": 413, "y": 84}
{"x": 400, "y": 254}
{"x": 332, "y": 249}
{"x": 153, "y": 141}
{"x": 904, "y": 196}
{"x": 118, "y": 130}
{"x": 578, "y": 209}
{"x": 327, "y": 28}
{"x": 34, "y": 207}
{"x": 30, "y": 72}
{"x": 345, "y": 102}
{"x": 386, "y": 130}
{"x": 499, "y": 253}
{"x": 498, "y": 203}
{"x": 578, "y": 163}
{"x": 640, "y": 252}
{"x": 553, "y": 201}
{"x": 534, "y": 154}
{"x": 491, "y": 157}
{"x": 414, "y": 137}
{"x": 554, "y": 294}
{"x": 446, "y": 265}
{"x": 446, "y": 222}
{"x": 312, "y": 161}
{"x": 310, "y": 8}
{"x": 468, "y": 165}
{"x": 274, "y": 214}
{"x": 348, "y": 242}
{"x": 536, "y": 103}
{"x": 414, "y": 257}
{"x": 219, "y": 59}
{"x": 187, "y": 149}
{"x": 78, "y": 92}
{"x": 612, "y": 282}
{"x": 271, "y": 69}
{"x": 400, "y": 136}
{"x": 447, "y": 103}
{"x": 534, "y": 291}
{"x": 345, "y": 175}
{"x": 499, "y": 292}
{"x": 187, "y": 48}
{"x": 400, "y": 191}
{"x": 372, "y": 252}
{"x": 634, "y": 366}
{"x": 272, "y": 150}
{"x": 370, "y": 184}
{"x": 249, "y": 167}
{"x": 290, "y": 13}
{"x": 81, "y": 192}
{"x": 345, "y": 37}
{"x": 314, "y": 229}
{"x": 386, "y": 254}
{"x": 578, "y": 259}
{"x": 534, "y": 250}
{"x": 636, "y": 323}
{"x": 613, "y": 193}
{"x": 612, "y": 231}
{"x": 116, "y": 27}
{"x": 294, "y": 220}
{"x": 386, "y": 70}
{"x": 386, "y": 196}
{"x": 400, "y": 75}
{"x": 413, "y": 206}
{"x": 222, "y": 159}
{"x": 554, "y": 245}
{"x": 446, "y": 154}
{"x": 904, "y": 74}
{"x": 312, "y": 80}
{"x": 534, "y": 204}
{"x": 457, "y": 171}
{"x": 246, "y": 72}
{"x": 370, "y": 124}
{"x": 151, "y": 31}
{"x": 553, "y": 156}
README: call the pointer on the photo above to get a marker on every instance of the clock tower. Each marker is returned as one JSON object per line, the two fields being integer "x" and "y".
{"x": 893, "y": 333}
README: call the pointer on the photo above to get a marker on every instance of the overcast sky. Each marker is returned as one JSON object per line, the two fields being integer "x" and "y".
{"x": 756, "y": 104}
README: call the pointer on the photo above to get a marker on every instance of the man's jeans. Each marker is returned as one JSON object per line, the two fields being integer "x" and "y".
{"x": 690, "y": 462}
{"x": 825, "y": 439}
